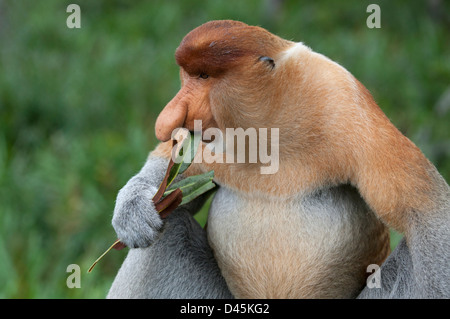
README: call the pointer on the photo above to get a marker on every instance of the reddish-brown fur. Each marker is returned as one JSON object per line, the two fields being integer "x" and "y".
{"x": 216, "y": 48}
{"x": 331, "y": 130}
{"x": 388, "y": 169}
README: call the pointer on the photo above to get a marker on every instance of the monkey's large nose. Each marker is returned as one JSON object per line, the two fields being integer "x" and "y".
{"x": 170, "y": 118}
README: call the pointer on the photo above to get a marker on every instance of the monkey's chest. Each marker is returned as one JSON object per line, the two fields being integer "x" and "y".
{"x": 271, "y": 250}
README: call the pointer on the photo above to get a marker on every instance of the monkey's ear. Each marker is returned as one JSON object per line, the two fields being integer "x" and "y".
{"x": 268, "y": 60}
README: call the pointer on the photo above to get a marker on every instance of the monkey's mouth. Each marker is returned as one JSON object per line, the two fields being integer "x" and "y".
{"x": 203, "y": 139}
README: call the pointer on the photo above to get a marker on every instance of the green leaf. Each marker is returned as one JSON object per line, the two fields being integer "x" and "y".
{"x": 173, "y": 173}
{"x": 197, "y": 192}
{"x": 102, "y": 255}
{"x": 190, "y": 181}
{"x": 180, "y": 158}
{"x": 193, "y": 146}
{"x": 193, "y": 186}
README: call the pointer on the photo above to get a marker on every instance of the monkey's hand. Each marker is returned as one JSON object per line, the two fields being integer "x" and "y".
{"x": 135, "y": 220}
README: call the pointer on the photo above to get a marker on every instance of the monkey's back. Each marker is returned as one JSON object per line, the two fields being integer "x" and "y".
{"x": 310, "y": 246}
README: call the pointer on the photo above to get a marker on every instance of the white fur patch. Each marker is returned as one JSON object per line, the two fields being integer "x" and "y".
{"x": 295, "y": 49}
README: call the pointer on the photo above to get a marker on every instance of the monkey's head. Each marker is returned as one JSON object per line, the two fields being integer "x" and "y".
{"x": 226, "y": 71}
{"x": 331, "y": 131}
{"x": 238, "y": 76}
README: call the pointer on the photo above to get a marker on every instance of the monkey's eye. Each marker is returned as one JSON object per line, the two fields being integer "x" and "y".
{"x": 268, "y": 60}
{"x": 203, "y": 75}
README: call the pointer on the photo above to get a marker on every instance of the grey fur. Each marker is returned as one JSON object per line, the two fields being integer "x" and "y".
{"x": 396, "y": 277}
{"x": 399, "y": 279}
{"x": 180, "y": 264}
{"x": 418, "y": 267}
{"x": 135, "y": 219}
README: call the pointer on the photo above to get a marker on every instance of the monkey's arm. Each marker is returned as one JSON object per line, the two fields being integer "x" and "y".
{"x": 177, "y": 261}
{"x": 135, "y": 220}
{"x": 418, "y": 267}
{"x": 412, "y": 273}
{"x": 179, "y": 264}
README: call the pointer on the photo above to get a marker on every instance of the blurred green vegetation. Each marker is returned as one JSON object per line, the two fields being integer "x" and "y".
{"x": 78, "y": 106}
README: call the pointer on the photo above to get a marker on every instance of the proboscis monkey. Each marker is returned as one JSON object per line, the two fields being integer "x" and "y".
{"x": 311, "y": 229}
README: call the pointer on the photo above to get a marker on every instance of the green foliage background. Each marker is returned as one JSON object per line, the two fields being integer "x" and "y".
{"x": 78, "y": 106}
